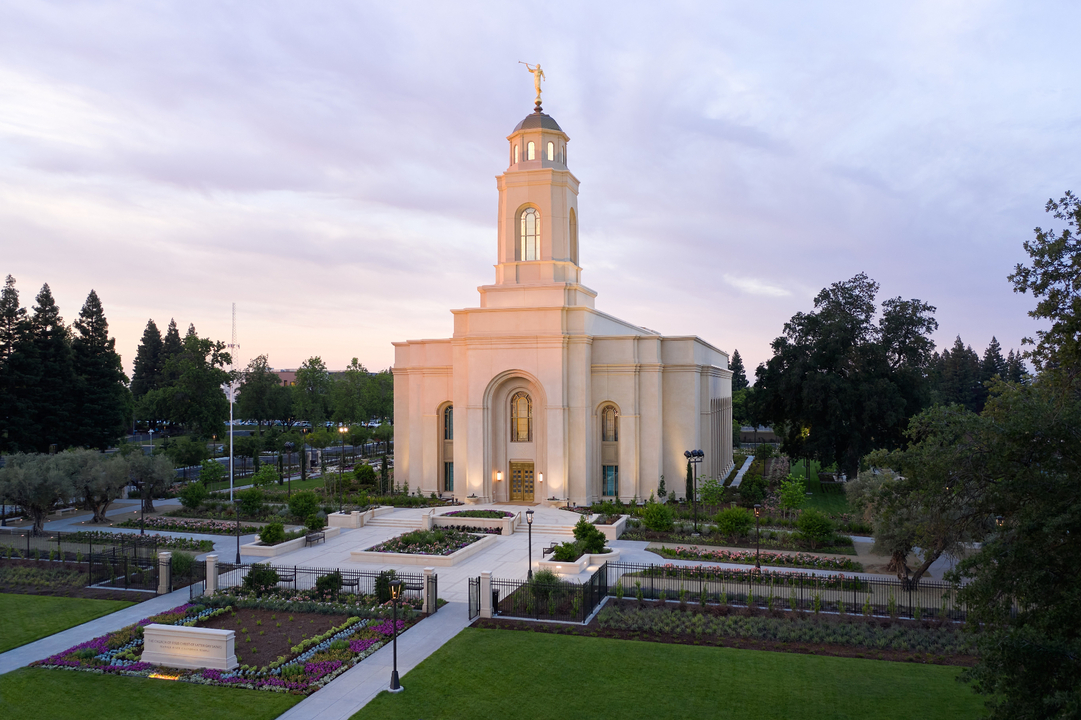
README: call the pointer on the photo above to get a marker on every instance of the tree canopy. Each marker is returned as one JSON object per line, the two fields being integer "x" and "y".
{"x": 739, "y": 374}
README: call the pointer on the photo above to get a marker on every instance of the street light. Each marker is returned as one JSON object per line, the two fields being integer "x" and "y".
{"x": 529, "y": 523}
{"x": 342, "y": 430}
{"x": 757, "y": 512}
{"x": 238, "y": 531}
{"x": 395, "y": 596}
{"x": 693, "y": 458}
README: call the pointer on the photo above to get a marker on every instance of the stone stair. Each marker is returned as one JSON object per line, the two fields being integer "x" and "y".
{"x": 539, "y": 529}
{"x": 392, "y": 522}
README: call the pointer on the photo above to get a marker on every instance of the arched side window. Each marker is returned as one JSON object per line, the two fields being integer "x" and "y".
{"x": 521, "y": 418}
{"x": 551, "y": 151}
{"x": 573, "y": 232}
{"x": 564, "y": 154}
{"x": 516, "y": 154}
{"x": 448, "y": 423}
{"x": 609, "y": 425}
{"x": 530, "y": 151}
{"x": 529, "y": 235}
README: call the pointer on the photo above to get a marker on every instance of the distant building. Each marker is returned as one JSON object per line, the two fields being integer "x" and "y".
{"x": 287, "y": 376}
{"x": 760, "y": 434}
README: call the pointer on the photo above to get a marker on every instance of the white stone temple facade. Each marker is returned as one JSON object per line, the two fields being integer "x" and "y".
{"x": 538, "y": 396}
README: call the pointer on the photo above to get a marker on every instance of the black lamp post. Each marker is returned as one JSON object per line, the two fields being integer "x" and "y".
{"x": 238, "y": 531}
{"x": 395, "y": 596}
{"x": 693, "y": 458}
{"x": 529, "y": 524}
{"x": 757, "y": 547}
{"x": 342, "y": 429}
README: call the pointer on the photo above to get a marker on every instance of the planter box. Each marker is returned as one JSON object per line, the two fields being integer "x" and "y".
{"x": 580, "y": 565}
{"x": 260, "y": 550}
{"x": 355, "y": 519}
{"x": 387, "y": 558}
{"x": 613, "y": 531}
{"x": 506, "y": 524}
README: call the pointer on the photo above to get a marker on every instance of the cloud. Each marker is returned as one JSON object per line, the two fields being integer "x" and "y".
{"x": 754, "y": 286}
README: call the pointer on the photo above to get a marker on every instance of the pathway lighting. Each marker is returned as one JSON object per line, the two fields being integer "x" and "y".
{"x": 999, "y": 521}
{"x": 694, "y": 457}
{"x": 395, "y": 596}
{"x": 238, "y": 531}
{"x": 529, "y": 523}
{"x": 757, "y": 547}
{"x": 342, "y": 430}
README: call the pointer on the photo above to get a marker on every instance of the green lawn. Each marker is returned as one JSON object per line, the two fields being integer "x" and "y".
{"x": 62, "y": 695}
{"x": 501, "y": 673}
{"x": 834, "y": 503}
{"x": 25, "y": 618}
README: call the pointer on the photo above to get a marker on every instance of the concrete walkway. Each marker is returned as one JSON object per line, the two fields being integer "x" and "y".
{"x": 41, "y": 649}
{"x": 347, "y": 694}
{"x": 739, "y": 476}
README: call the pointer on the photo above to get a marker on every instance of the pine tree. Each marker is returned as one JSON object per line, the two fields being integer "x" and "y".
{"x": 960, "y": 376}
{"x": 739, "y": 373}
{"x": 104, "y": 400}
{"x": 1015, "y": 368}
{"x": 14, "y": 327}
{"x": 171, "y": 347}
{"x": 146, "y": 375}
{"x": 191, "y": 331}
{"x": 51, "y": 401}
{"x": 993, "y": 362}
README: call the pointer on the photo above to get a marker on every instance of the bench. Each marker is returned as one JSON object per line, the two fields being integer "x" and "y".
{"x": 65, "y": 511}
{"x": 550, "y": 549}
{"x": 313, "y": 538}
{"x": 353, "y": 583}
{"x": 288, "y": 578}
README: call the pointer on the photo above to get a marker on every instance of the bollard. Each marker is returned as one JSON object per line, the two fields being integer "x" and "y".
{"x": 429, "y": 600}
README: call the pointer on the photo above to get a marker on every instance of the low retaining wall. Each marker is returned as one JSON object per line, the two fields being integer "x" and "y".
{"x": 385, "y": 558}
{"x": 580, "y": 565}
{"x": 506, "y": 525}
{"x": 260, "y": 550}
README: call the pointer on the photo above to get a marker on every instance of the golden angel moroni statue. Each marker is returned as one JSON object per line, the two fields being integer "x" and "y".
{"x": 538, "y": 75}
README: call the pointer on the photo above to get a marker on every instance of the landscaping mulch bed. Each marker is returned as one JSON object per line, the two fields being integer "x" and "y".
{"x": 594, "y": 629}
{"x": 58, "y": 579}
{"x": 270, "y": 634}
{"x": 717, "y": 540}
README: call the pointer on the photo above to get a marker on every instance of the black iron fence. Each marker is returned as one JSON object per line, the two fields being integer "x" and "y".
{"x": 562, "y": 601}
{"x": 72, "y": 546}
{"x": 474, "y": 597}
{"x": 797, "y": 591}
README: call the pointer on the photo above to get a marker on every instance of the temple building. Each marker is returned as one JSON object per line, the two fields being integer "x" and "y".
{"x": 538, "y": 396}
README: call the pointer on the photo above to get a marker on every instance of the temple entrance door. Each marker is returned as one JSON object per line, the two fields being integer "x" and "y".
{"x": 521, "y": 482}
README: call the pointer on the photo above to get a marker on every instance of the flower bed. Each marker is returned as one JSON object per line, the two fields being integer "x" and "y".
{"x": 487, "y": 514}
{"x": 163, "y": 542}
{"x": 328, "y": 646}
{"x": 785, "y": 578}
{"x": 427, "y": 542}
{"x": 748, "y": 557}
{"x": 203, "y": 527}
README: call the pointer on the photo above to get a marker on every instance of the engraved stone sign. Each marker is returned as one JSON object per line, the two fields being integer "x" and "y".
{"x": 189, "y": 647}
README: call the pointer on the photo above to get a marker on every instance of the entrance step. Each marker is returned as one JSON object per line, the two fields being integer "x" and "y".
{"x": 403, "y": 523}
{"x": 548, "y": 529}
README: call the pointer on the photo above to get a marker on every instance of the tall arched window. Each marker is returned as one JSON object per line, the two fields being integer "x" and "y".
{"x": 448, "y": 423}
{"x": 551, "y": 151}
{"x": 609, "y": 451}
{"x": 521, "y": 418}
{"x": 530, "y": 151}
{"x": 529, "y": 234}
{"x": 609, "y": 425}
{"x": 516, "y": 154}
{"x": 573, "y": 236}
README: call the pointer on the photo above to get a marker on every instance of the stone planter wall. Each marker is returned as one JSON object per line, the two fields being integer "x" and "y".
{"x": 506, "y": 524}
{"x": 385, "y": 558}
{"x": 260, "y": 550}
{"x": 580, "y": 565}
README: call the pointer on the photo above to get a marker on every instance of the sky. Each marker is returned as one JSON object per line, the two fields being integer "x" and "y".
{"x": 330, "y": 167}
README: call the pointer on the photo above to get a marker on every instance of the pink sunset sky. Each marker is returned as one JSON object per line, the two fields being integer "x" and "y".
{"x": 329, "y": 167}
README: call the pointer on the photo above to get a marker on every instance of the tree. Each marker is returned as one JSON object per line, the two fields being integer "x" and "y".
{"x": 793, "y": 493}
{"x": 102, "y": 393}
{"x": 255, "y": 398}
{"x": 1015, "y": 368}
{"x": 993, "y": 363}
{"x": 15, "y": 371}
{"x": 51, "y": 399}
{"x": 101, "y": 479}
{"x": 739, "y": 374}
{"x": 38, "y": 483}
{"x": 152, "y": 474}
{"x": 839, "y": 384}
{"x": 211, "y": 472}
{"x": 192, "y": 394}
{"x": 310, "y": 391}
{"x": 384, "y": 434}
{"x": 184, "y": 451}
{"x": 265, "y": 475}
{"x": 347, "y": 394}
{"x": 149, "y": 362}
{"x": 171, "y": 346}
{"x": 958, "y": 377}
{"x": 379, "y": 395}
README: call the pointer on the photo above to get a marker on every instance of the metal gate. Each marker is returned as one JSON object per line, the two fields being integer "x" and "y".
{"x": 474, "y": 597}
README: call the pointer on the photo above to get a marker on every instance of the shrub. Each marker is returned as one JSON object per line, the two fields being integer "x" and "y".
{"x": 265, "y": 475}
{"x": 752, "y": 490}
{"x": 542, "y": 583}
{"x": 588, "y": 536}
{"x": 657, "y": 517}
{"x": 260, "y": 578}
{"x": 193, "y": 495}
{"x": 303, "y": 504}
{"x": 567, "y": 552}
{"x": 330, "y": 583}
{"x": 182, "y": 564}
{"x": 764, "y": 451}
{"x": 273, "y": 533}
{"x": 711, "y": 491}
{"x": 212, "y": 472}
{"x": 251, "y": 501}
{"x": 734, "y": 521}
{"x": 365, "y": 475}
{"x": 314, "y": 523}
{"x": 793, "y": 493}
{"x": 815, "y": 527}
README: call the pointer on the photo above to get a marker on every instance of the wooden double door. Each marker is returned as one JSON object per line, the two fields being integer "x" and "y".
{"x": 521, "y": 482}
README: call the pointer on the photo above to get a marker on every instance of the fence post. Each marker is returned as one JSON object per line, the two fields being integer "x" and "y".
{"x": 429, "y": 602}
{"x": 211, "y": 585}
{"x": 164, "y": 565}
{"x": 486, "y": 594}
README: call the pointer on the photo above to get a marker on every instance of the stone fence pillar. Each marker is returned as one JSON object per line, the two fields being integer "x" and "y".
{"x": 486, "y": 594}
{"x": 211, "y": 585}
{"x": 429, "y": 596}
{"x": 165, "y": 568}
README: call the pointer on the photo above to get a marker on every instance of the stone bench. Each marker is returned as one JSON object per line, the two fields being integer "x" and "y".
{"x": 65, "y": 511}
{"x": 313, "y": 538}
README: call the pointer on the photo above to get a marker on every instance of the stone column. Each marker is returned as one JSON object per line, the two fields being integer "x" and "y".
{"x": 429, "y": 600}
{"x": 164, "y": 569}
{"x": 211, "y": 585}
{"x": 486, "y": 594}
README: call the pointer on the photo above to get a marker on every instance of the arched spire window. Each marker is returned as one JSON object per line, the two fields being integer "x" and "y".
{"x": 609, "y": 425}
{"x": 529, "y": 232}
{"x": 515, "y": 154}
{"x": 521, "y": 418}
{"x": 573, "y": 236}
{"x": 530, "y": 151}
{"x": 448, "y": 423}
{"x": 551, "y": 151}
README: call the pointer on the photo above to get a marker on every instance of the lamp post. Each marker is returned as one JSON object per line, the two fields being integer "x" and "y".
{"x": 529, "y": 524}
{"x": 142, "y": 507}
{"x": 342, "y": 430}
{"x": 693, "y": 458}
{"x": 395, "y": 596}
{"x": 757, "y": 512}
{"x": 238, "y": 531}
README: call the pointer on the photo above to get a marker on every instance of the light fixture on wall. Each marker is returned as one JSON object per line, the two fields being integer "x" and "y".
{"x": 540, "y": 485}
{"x": 498, "y": 476}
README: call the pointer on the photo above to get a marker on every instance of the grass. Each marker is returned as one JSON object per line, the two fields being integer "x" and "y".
{"x": 502, "y": 673}
{"x": 833, "y": 503}
{"x": 27, "y": 618}
{"x": 61, "y": 695}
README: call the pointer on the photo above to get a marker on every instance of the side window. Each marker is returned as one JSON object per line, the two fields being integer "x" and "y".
{"x": 521, "y": 418}
{"x": 516, "y": 154}
{"x": 529, "y": 234}
{"x": 530, "y": 151}
{"x": 551, "y": 152}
